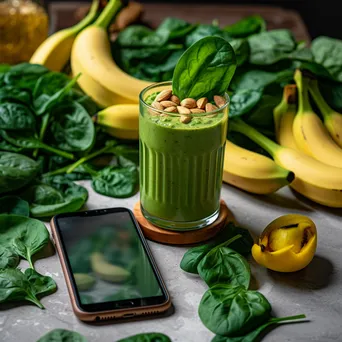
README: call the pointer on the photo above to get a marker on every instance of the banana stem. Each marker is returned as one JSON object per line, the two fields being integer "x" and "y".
{"x": 270, "y": 146}
{"x": 303, "y": 93}
{"x": 88, "y": 19}
{"x": 325, "y": 109}
{"x": 108, "y": 13}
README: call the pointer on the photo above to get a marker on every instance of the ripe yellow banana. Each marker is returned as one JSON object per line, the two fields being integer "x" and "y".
{"x": 253, "y": 172}
{"x": 310, "y": 134}
{"x": 305, "y": 168}
{"x": 92, "y": 50}
{"x": 55, "y": 51}
{"x": 101, "y": 95}
{"x": 332, "y": 119}
{"x": 284, "y": 115}
{"x": 121, "y": 121}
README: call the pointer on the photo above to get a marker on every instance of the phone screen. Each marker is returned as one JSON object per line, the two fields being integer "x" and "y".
{"x": 108, "y": 261}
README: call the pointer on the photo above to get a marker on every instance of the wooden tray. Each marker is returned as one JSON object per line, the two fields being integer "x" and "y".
{"x": 63, "y": 15}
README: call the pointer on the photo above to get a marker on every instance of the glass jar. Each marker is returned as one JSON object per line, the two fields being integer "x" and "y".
{"x": 181, "y": 164}
{"x": 23, "y": 27}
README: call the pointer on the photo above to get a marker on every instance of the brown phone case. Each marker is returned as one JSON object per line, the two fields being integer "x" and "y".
{"x": 101, "y": 316}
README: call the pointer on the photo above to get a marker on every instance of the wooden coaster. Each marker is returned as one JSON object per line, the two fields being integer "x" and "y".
{"x": 170, "y": 237}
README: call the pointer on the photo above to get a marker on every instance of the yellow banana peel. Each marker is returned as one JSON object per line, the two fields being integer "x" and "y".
{"x": 287, "y": 244}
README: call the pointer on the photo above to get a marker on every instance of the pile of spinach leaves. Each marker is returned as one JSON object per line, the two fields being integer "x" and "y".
{"x": 228, "y": 308}
{"x": 266, "y": 60}
{"x": 48, "y": 141}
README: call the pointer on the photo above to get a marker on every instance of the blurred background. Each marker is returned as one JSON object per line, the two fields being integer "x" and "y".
{"x": 321, "y": 17}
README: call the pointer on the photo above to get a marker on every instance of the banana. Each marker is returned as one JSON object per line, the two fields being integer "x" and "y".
{"x": 54, "y": 52}
{"x": 332, "y": 119}
{"x": 107, "y": 271}
{"x": 253, "y": 172}
{"x": 312, "y": 177}
{"x": 101, "y": 95}
{"x": 92, "y": 50}
{"x": 284, "y": 115}
{"x": 121, "y": 121}
{"x": 310, "y": 134}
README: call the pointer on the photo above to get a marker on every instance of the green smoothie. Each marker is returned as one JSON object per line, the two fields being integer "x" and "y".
{"x": 181, "y": 165}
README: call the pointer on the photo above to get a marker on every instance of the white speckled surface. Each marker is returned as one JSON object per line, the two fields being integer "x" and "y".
{"x": 315, "y": 291}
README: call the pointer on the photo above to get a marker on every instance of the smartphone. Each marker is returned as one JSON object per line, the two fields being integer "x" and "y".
{"x": 108, "y": 266}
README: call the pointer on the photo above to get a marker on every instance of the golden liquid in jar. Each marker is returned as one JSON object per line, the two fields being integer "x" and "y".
{"x": 23, "y": 27}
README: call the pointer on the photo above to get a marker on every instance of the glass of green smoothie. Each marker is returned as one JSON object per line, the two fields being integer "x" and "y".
{"x": 181, "y": 157}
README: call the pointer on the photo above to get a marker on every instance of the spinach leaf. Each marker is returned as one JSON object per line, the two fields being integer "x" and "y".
{"x": 202, "y": 31}
{"x": 241, "y": 49}
{"x": 73, "y": 128}
{"x": 18, "y": 286}
{"x": 13, "y": 94}
{"x": 256, "y": 79}
{"x": 205, "y": 69}
{"x": 128, "y": 152}
{"x": 55, "y": 195}
{"x": 42, "y": 285}
{"x": 155, "y": 64}
{"x": 8, "y": 258}
{"x": 262, "y": 114}
{"x": 223, "y": 265}
{"x": 28, "y": 141}
{"x": 23, "y": 235}
{"x": 6, "y": 146}
{"x": 44, "y": 102}
{"x": 147, "y": 337}
{"x": 14, "y": 205}
{"x": 24, "y": 75}
{"x": 62, "y": 335}
{"x": 252, "y": 336}
{"x": 232, "y": 310}
{"x": 328, "y": 52}
{"x": 50, "y": 83}
{"x": 174, "y": 28}
{"x": 15, "y": 116}
{"x": 246, "y": 27}
{"x": 242, "y": 245}
{"x": 243, "y": 101}
{"x": 194, "y": 255}
{"x": 16, "y": 171}
{"x": 332, "y": 93}
{"x": 141, "y": 36}
{"x": 270, "y": 47}
{"x": 116, "y": 181}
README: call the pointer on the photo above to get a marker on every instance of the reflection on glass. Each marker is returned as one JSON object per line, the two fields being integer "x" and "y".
{"x": 107, "y": 259}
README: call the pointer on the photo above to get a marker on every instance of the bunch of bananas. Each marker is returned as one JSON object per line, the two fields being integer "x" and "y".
{"x": 310, "y": 156}
{"x": 87, "y": 47}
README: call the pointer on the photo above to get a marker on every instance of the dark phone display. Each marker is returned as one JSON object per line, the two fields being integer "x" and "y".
{"x": 107, "y": 258}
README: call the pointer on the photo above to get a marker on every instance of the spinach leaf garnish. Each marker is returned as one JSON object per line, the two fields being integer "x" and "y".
{"x": 205, "y": 69}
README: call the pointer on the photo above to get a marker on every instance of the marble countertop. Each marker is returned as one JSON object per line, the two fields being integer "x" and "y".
{"x": 315, "y": 291}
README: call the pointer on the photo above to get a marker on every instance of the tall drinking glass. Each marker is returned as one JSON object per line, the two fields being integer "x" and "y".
{"x": 181, "y": 164}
